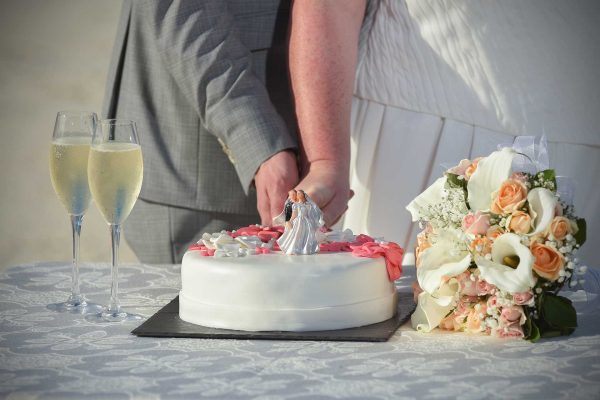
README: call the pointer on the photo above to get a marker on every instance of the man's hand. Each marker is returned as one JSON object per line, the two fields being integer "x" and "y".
{"x": 275, "y": 177}
{"x": 328, "y": 186}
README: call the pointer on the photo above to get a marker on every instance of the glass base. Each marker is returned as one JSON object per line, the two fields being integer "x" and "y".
{"x": 75, "y": 307}
{"x": 118, "y": 316}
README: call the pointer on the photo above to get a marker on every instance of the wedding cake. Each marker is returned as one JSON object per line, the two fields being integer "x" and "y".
{"x": 242, "y": 280}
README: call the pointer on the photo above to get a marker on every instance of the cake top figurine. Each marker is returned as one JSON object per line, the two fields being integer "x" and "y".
{"x": 303, "y": 221}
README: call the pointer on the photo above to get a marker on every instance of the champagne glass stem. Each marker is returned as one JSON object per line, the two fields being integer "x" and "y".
{"x": 113, "y": 306}
{"x": 76, "y": 297}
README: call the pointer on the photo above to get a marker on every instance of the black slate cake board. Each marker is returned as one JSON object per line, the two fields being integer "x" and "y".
{"x": 166, "y": 323}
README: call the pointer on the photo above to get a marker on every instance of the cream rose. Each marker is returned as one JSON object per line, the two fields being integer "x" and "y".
{"x": 470, "y": 170}
{"x": 460, "y": 168}
{"x": 560, "y": 227}
{"x": 475, "y": 318}
{"x": 519, "y": 222}
{"x": 450, "y": 324}
{"x": 548, "y": 262}
{"x": 510, "y": 197}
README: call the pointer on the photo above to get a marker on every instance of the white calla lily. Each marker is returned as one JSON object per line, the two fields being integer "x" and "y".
{"x": 438, "y": 266}
{"x": 442, "y": 260}
{"x": 433, "y": 308}
{"x": 487, "y": 178}
{"x": 494, "y": 271}
{"x": 542, "y": 206}
{"x": 431, "y": 196}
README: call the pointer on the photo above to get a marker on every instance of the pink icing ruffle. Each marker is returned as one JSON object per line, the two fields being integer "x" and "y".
{"x": 265, "y": 233}
{"x": 391, "y": 252}
{"x": 204, "y": 251}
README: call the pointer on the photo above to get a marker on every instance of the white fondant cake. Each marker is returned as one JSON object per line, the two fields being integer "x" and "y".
{"x": 278, "y": 292}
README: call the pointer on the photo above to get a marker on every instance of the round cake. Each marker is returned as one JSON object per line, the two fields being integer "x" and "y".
{"x": 279, "y": 292}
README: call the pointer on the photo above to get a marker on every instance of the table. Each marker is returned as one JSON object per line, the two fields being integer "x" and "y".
{"x": 50, "y": 355}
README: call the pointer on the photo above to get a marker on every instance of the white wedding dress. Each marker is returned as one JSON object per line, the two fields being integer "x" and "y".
{"x": 438, "y": 81}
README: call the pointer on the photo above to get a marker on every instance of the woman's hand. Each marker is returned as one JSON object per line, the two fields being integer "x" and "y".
{"x": 328, "y": 186}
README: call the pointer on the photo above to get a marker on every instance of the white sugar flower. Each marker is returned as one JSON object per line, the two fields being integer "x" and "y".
{"x": 489, "y": 175}
{"x": 497, "y": 272}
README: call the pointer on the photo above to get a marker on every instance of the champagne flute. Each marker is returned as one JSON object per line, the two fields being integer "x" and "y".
{"x": 68, "y": 171}
{"x": 115, "y": 171}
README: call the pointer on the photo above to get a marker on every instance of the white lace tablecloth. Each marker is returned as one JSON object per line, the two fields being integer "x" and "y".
{"x": 49, "y": 355}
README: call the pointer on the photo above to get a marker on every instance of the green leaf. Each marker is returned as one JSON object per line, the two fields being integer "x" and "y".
{"x": 580, "y": 236}
{"x": 559, "y": 314}
{"x": 555, "y": 333}
{"x": 454, "y": 181}
{"x": 531, "y": 330}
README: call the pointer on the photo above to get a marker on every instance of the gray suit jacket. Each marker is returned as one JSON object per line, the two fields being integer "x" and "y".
{"x": 206, "y": 82}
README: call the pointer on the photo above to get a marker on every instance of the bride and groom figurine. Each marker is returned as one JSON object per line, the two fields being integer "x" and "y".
{"x": 302, "y": 220}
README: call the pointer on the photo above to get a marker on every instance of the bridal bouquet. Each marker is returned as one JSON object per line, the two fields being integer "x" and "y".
{"x": 498, "y": 243}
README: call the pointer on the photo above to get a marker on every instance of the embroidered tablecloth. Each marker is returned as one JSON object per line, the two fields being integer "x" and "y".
{"x": 51, "y": 355}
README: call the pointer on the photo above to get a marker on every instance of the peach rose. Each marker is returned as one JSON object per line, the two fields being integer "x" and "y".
{"x": 510, "y": 197}
{"x": 519, "y": 222}
{"x": 450, "y": 324}
{"x": 560, "y": 227}
{"x": 494, "y": 231}
{"x": 548, "y": 262}
{"x": 472, "y": 168}
{"x": 481, "y": 245}
{"x": 476, "y": 224}
{"x": 474, "y": 320}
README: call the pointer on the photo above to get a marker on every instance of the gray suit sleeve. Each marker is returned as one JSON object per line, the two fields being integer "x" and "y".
{"x": 212, "y": 67}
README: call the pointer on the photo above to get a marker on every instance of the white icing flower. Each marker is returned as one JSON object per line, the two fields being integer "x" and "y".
{"x": 339, "y": 236}
{"x": 487, "y": 178}
{"x": 249, "y": 242}
{"x": 494, "y": 271}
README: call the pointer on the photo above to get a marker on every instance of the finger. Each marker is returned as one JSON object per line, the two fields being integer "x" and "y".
{"x": 334, "y": 210}
{"x": 276, "y": 203}
{"x": 320, "y": 195}
{"x": 263, "y": 206}
{"x": 338, "y": 218}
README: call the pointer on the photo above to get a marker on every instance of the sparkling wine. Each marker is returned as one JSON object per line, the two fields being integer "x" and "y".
{"x": 68, "y": 171}
{"x": 115, "y": 174}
